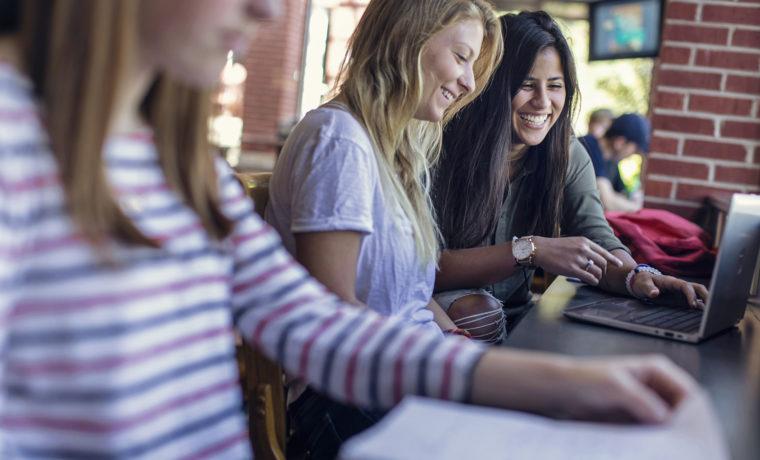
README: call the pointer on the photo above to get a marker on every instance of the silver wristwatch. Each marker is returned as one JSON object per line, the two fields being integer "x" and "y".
{"x": 524, "y": 251}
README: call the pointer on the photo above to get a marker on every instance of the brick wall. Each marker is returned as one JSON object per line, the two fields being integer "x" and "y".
{"x": 273, "y": 64}
{"x": 705, "y": 104}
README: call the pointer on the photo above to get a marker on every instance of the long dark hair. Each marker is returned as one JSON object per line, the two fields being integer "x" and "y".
{"x": 471, "y": 178}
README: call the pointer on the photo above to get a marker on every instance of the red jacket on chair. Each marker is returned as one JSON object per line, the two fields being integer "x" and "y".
{"x": 665, "y": 241}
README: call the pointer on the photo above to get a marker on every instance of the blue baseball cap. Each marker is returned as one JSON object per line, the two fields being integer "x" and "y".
{"x": 633, "y": 127}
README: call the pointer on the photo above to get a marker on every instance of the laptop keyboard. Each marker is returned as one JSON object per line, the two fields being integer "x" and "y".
{"x": 685, "y": 320}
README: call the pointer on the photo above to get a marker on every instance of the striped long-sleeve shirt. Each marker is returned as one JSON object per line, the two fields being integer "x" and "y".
{"x": 136, "y": 359}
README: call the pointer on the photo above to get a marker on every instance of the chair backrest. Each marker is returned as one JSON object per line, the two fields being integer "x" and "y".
{"x": 263, "y": 385}
{"x": 257, "y": 187}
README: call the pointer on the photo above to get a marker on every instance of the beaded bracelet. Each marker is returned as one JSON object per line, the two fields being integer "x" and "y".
{"x": 633, "y": 272}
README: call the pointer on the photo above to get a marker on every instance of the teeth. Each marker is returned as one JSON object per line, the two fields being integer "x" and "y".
{"x": 448, "y": 94}
{"x": 534, "y": 119}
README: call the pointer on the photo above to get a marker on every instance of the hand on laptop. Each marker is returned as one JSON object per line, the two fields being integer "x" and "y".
{"x": 669, "y": 290}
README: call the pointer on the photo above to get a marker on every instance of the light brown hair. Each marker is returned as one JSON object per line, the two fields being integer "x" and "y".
{"x": 381, "y": 80}
{"x": 75, "y": 52}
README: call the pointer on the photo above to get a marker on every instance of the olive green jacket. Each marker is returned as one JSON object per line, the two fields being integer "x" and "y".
{"x": 583, "y": 215}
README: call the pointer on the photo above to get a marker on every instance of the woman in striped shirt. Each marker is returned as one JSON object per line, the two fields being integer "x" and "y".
{"x": 127, "y": 255}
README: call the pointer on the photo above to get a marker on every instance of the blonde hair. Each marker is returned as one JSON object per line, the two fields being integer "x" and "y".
{"x": 76, "y": 53}
{"x": 381, "y": 82}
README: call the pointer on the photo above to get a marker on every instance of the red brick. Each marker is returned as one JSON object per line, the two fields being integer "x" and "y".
{"x": 270, "y": 93}
{"x": 673, "y": 168}
{"x": 721, "y": 105}
{"x": 693, "y": 192}
{"x": 663, "y": 145}
{"x": 689, "y": 79}
{"x": 733, "y": 14}
{"x": 716, "y": 150}
{"x": 741, "y": 84}
{"x": 740, "y": 129}
{"x": 749, "y": 175}
{"x": 677, "y": 10}
{"x": 675, "y": 55}
{"x": 695, "y": 34}
{"x": 658, "y": 188}
{"x": 728, "y": 60}
{"x": 757, "y": 155}
{"x": 683, "y": 124}
{"x": 750, "y": 38}
{"x": 665, "y": 100}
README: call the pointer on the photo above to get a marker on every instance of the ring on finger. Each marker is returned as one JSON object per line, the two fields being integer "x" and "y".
{"x": 589, "y": 264}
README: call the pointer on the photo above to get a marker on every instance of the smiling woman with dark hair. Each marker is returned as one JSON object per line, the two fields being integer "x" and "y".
{"x": 514, "y": 190}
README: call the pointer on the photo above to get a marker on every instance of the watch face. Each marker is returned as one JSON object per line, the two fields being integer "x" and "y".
{"x": 521, "y": 249}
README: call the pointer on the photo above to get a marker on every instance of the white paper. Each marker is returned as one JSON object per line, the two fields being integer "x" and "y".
{"x": 423, "y": 428}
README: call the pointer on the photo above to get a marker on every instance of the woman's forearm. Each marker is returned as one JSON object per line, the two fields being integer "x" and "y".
{"x": 614, "y": 278}
{"x": 518, "y": 380}
{"x": 624, "y": 388}
{"x": 440, "y": 317}
{"x": 474, "y": 267}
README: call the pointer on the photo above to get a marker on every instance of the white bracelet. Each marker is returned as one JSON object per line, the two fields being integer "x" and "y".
{"x": 633, "y": 272}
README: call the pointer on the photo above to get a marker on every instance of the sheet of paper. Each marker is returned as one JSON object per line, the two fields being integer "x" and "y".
{"x": 422, "y": 428}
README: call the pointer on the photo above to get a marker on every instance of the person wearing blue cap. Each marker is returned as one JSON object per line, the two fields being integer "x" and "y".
{"x": 628, "y": 134}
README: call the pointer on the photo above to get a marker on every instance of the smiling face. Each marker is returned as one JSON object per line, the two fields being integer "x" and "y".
{"x": 447, "y": 66}
{"x": 540, "y": 99}
{"x": 189, "y": 39}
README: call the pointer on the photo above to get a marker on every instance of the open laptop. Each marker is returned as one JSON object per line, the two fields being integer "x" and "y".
{"x": 736, "y": 270}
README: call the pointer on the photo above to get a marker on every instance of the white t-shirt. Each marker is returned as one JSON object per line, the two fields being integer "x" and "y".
{"x": 327, "y": 179}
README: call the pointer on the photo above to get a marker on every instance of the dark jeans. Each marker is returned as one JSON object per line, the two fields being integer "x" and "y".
{"x": 320, "y": 425}
{"x": 515, "y": 314}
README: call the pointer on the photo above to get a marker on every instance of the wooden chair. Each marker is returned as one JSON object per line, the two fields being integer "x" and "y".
{"x": 263, "y": 386}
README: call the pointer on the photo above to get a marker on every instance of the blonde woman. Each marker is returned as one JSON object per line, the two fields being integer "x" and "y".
{"x": 349, "y": 194}
{"x": 127, "y": 254}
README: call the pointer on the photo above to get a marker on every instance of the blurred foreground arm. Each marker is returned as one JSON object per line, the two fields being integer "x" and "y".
{"x": 638, "y": 388}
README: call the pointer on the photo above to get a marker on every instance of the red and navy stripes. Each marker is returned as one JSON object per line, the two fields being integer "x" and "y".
{"x": 136, "y": 358}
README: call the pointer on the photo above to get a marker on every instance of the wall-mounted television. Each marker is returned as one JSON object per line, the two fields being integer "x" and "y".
{"x": 621, "y": 29}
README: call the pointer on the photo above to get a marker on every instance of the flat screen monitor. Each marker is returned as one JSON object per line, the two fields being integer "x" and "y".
{"x": 621, "y": 29}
